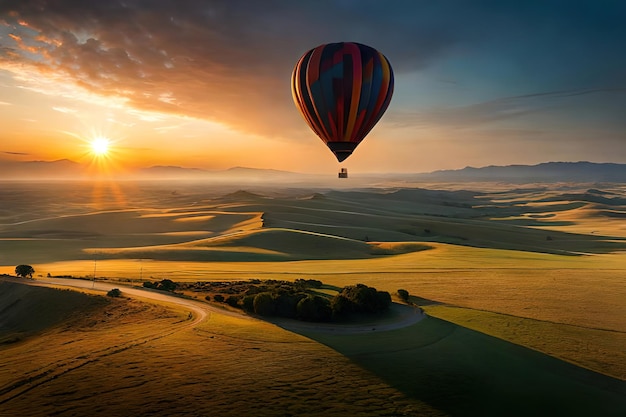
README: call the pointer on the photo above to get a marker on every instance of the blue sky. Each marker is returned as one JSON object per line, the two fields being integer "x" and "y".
{"x": 206, "y": 83}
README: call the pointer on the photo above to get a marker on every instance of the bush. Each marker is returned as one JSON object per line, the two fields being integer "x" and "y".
{"x": 167, "y": 285}
{"x": 24, "y": 271}
{"x": 115, "y": 292}
{"x": 383, "y": 300}
{"x": 219, "y": 298}
{"x": 163, "y": 285}
{"x": 308, "y": 283}
{"x": 247, "y": 303}
{"x": 263, "y": 304}
{"x": 233, "y": 301}
{"x": 313, "y": 308}
{"x": 360, "y": 299}
{"x": 255, "y": 290}
{"x": 285, "y": 304}
{"x": 404, "y": 295}
{"x": 340, "y": 305}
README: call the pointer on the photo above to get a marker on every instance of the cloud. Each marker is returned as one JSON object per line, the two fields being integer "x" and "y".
{"x": 489, "y": 113}
{"x": 229, "y": 62}
{"x": 64, "y": 110}
{"x": 15, "y": 153}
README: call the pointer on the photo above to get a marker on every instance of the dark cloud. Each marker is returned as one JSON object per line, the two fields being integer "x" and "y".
{"x": 231, "y": 60}
{"x": 15, "y": 153}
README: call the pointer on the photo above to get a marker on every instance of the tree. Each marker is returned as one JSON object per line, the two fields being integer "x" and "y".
{"x": 163, "y": 285}
{"x": 340, "y": 305}
{"x": 404, "y": 295}
{"x": 263, "y": 304}
{"x": 167, "y": 285}
{"x": 286, "y": 304}
{"x": 24, "y": 271}
{"x": 233, "y": 301}
{"x": 247, "y": 302}
{"x": 360, "y": 298}
{"x": 313, "y": 308}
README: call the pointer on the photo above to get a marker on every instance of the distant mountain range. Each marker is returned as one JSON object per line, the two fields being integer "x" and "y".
{"x": 235, "y": 173}
{"x": 59, "y": 169}
{"x": 67, "y": 169}
{"x": 545, "y": 172}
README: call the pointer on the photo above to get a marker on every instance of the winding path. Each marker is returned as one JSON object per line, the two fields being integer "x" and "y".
{"x": 23, "y": 383}
{"x": 405, "y": 315}
{"x": 199, "y": 311}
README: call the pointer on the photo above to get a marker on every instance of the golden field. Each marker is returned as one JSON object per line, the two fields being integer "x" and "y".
{"x": 525, "y": 289}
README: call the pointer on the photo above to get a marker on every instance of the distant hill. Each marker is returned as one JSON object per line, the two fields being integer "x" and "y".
{"x": 235, "y": 173}
{"x": 252, "y": 171}
{"x": 545, "y": 172}
{"x": 67, "y": 169}
{"x": 170, "y": 171}
{"x": 59, "y": 169}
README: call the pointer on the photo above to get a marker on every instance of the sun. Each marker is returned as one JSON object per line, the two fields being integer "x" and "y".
{"x": 100, "y": 146}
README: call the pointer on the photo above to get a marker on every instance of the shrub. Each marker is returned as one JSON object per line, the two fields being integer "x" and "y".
{"x": 167, "y": 285}
{"x": 308, "y": 283}
{"x": 404, "y": 295}
{"x": 219, "y": 298}
{"x": 252, "y": 290}
{"x": 313, "y": 308}
{"x": 361, "y": 299}
{"x": 286, "y": 304}
{"x": 163, "y": 285}
{"x": 247, "y": 303}
{"x": 384, "y": 300}
{"x": 340, "y": 305}
{"x": 263, "y": 304}
{"x": 233, "y": 301}
{"x": 24, "y": 271}
{"x": 115, "y": 292}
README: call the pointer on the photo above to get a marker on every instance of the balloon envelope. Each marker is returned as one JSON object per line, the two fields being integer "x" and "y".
{"x": 342, "y": 90}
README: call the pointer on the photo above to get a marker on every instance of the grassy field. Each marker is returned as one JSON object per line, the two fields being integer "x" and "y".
{"x": 524, "y": 287}
{"x": 126, "y": 356}
{"x": 467, "y": 373}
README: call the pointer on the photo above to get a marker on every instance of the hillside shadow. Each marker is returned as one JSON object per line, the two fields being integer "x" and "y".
{"x": 420, "y": 301}
{"x": 467, "y": 373}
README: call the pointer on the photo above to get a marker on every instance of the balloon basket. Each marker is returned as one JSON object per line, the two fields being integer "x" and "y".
{"x": 343, "y": 173}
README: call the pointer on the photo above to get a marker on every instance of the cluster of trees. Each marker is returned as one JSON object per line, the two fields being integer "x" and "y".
{"x": 360, "y": 298}
{"x": 295, "y": 300}
{"x": 24, "y": 271}
{"x": 163, "y": 285}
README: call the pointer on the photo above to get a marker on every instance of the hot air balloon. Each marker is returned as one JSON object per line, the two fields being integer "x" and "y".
{"x": 342, "y": 90}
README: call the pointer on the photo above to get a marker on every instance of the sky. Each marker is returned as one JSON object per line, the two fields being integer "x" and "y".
{"x": 206, "y": 84}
